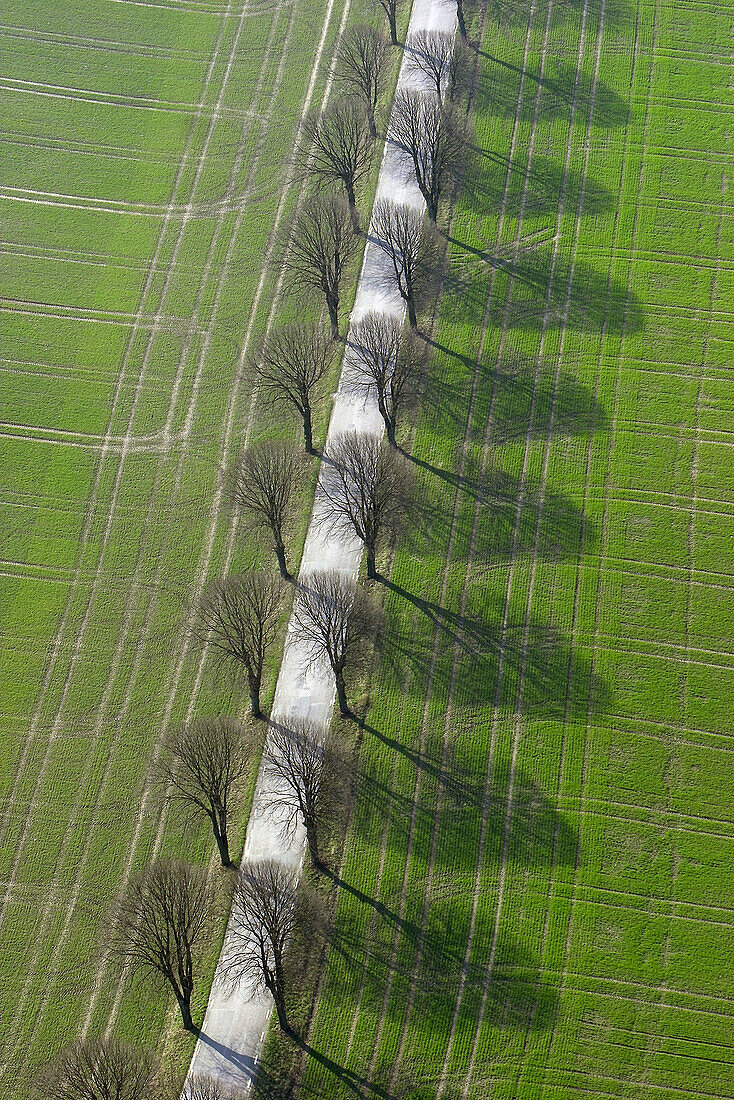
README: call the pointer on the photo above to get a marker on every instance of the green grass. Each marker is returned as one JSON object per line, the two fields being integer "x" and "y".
{"x": 104, "y": 544}
{"x": 543, "y": 827}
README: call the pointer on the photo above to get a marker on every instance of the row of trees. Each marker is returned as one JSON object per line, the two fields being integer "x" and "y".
{"x": 161, "y": 918}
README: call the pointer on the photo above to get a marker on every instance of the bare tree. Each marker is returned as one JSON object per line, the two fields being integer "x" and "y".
{"x": 365, "y": 490}
{"x": 360, "y": 65}
{"x": 319, "y": 249}
{"x": 204, "y": 763}
{"x": 97, "y": 1069}
{"x": 430, "y": 53}
{"x": 337, "y": 148}
{"x": 391, "y": 8}
{"x": 337, "y": 622}
{"x": 400, "y": 232}
{"x": 158, "y": 921}
{"x": 267, "y": 912}
{"x": 239, "y": 617}
{"x": 265, "y": 483}
{"x": 301, "y": 758}
{"x": 208, "y": 1088}
{"x": 390, "y": 362}
{"x": 291, "y": 365}
{"x": 433, "y": 138}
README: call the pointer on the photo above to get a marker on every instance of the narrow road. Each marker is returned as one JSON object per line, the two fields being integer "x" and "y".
{"x": 236, "y": 1023}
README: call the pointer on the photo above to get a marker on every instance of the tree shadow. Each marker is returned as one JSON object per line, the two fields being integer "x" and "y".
{"x": 539, "y": 834}
{"x": 546, "y": 291}
{"x": 530, "y": 188}
{"x": 529, "y": 400}
{"x": 516, "y": 397}
{"x": 514, "y": 517}
{"x": 557, "y": 93}
{"x": 430, "y": 966}
{"x": 520, "y": 667}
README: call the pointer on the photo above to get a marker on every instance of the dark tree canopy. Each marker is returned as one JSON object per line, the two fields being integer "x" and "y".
{"x": 360, "y": 65}
{"x": 390, "y": 362}
{"x": 317, "y": 252}
{"x": 265, "y": 484}
{"x": 238, "y": 617}
{"x": 400, "y": 232}
{"x": 338, "y": 147}
{"x": 97, "y": 1069}
{"x": 267, "y": 911}
{"x": 304, "y": 765}
{"x": 338, "y": 623}
{"x": 291, "y": 365}
{"x": 433, "y": 138}
{"x": 365, "y": 490}
{"x": 158, "y": 921}
{"x": 204, "y": 763}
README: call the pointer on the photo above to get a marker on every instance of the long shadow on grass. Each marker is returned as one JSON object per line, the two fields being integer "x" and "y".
{"x": 538, "y": 832}
{"x": 493, "y": 180}
{"x": 516, "y": 397}
{"x": 492, "y": 660}
{"x": 562, "y": 87}
{"x": 545, "y": 293}
{"x": 514, "y": 518}
{"x": 432, "y": 965}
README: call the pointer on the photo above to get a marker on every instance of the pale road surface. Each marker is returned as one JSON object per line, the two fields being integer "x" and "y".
{"x": 236, "y": 1023}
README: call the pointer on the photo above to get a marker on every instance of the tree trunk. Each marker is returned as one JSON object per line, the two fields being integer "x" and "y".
{"x": 220, "y": 835}
{"x": 410, "y": 302}
{"x": 333, "y": 308}
{"x": 277, "y": 989}
{"x": 460, "y": 18}
{"x": 351, "y": 199}
{"x": 254, "y": 683}
{"x": 371, "y": 567}
{"x": 313, "y": 845}
{"x": 184, "y": 1003}
{"x": 388, "y": 420}
{"x": 393, "y": 28}
{"x": 431, "y": 204}
{"x": 280, "y": 555}
{"x": 282, "y": 1014}
{"x": 371, "y": 119}
{"x": 308, "y": 432}
{"x": 341, "y": 695}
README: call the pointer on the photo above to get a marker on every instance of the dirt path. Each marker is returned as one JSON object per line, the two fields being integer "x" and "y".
{"x": 235, "y": 1024}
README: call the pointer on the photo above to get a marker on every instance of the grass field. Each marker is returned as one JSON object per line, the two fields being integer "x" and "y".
{"x": 536, "y": 895}
{"x": 144, "y": 149}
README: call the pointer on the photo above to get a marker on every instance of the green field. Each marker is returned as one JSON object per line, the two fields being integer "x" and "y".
{"x": 144, "y": 149}
{"x": 536, "y": 896}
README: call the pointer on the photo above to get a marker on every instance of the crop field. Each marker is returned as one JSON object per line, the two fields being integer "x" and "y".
{"x": 536, "y": 897}
{"x": 145, "y": 178}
